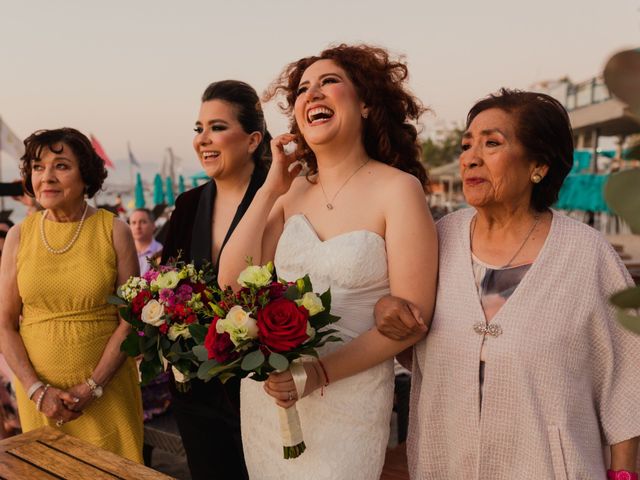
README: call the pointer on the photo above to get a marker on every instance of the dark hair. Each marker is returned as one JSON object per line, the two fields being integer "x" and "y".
{"x": 248, "y": 109}
{"x": 91, "y": 166}
{"x": 144, "y": 210}
{"x": 543, "y": 128}
{"x": 388, "y": 135}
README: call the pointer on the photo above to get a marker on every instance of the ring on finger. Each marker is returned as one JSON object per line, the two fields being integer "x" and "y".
{"x": 290, "y": 396}
{"x": 59, "y": 422}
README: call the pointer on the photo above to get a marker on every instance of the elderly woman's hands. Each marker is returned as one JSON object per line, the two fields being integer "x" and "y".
{"x": 83, "y": 393}
{"x": 53, "y": 404}
{"x": 398, "y": 319}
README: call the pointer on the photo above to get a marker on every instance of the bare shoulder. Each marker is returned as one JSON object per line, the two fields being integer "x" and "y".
{"x": 299, "y": 187}
{"x": 122, "y": 237}
{"x": 398, "y": 188}
{"x": 10, "y": 248}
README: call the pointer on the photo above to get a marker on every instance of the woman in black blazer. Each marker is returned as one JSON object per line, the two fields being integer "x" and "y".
{"x": 232, "y": 144}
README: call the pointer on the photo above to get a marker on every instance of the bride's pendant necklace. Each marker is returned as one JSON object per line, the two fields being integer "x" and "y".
{"x": 330, "y": 202}
{"x": 59, "y": 251}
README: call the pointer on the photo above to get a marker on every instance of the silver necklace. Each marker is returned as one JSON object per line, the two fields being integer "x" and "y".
{"x": 526, "y": 238}
{"x": 59, "y": 251}
{"x": 330, "y": 202}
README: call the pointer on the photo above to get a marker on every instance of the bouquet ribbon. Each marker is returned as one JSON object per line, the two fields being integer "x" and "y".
{"x": 290, "y": 428}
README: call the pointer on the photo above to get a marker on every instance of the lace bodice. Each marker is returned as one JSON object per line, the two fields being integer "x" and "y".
{"x": 352, "y": 264}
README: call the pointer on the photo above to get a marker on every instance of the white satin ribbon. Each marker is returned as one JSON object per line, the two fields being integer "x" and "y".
{"x": 299, "y": 375}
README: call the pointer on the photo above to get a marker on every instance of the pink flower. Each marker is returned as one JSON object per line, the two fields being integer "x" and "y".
{"x": 166, "y": 295}
{"x": 151, "y": 275}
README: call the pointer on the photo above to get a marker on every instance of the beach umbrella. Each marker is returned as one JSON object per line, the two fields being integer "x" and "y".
{"x": 171, "y": 198}
{"x": 139, "y": 192}
{"x": 181, "y": 188}
{"x": 158, "y": 190}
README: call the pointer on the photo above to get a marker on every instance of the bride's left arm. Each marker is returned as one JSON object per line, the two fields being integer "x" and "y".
{"x": 412, "y": 255}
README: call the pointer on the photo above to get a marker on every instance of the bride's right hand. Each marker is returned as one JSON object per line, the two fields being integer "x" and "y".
{"x": 283, "y": 166}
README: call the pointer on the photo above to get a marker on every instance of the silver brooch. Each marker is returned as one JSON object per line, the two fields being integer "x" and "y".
{"x": 493, "y": 329}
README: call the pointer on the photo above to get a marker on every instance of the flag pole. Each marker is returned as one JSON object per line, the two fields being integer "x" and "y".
{"x": 130, "y": 167}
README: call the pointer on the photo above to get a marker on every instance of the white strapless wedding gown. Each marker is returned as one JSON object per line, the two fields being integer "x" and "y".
{"x": 345, "y": 430}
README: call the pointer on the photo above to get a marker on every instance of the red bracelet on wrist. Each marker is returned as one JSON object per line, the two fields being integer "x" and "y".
{"x": 621, "y": 475}
{"x": 326, "y": 377}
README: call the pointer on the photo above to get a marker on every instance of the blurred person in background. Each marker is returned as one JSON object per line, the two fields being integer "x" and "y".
{"x": 142, "y": 228}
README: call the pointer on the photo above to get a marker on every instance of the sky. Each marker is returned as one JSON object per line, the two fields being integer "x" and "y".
{"x": 133, "y": 71}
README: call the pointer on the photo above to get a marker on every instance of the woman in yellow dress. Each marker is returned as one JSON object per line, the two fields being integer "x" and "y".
{"x": 58, "y": 268}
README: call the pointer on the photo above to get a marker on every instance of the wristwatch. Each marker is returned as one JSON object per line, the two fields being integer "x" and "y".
{"x": 621, "y": 475}
{"x": 96, "y": 390}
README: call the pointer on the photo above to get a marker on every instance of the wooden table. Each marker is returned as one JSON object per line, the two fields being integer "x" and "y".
{"x": 49, "y": 454}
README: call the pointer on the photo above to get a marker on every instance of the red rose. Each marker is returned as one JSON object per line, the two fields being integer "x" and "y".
{"x": 276, "y": 290}
{"x": 282, "y": 325}
{"x": 140, "y": 300}
{"x": 219, "y": 345}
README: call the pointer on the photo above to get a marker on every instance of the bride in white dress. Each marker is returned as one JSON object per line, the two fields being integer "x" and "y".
{"x": 358, "y": 223}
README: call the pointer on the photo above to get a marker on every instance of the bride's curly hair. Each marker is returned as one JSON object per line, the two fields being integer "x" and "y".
{"x": 389, "y": 132}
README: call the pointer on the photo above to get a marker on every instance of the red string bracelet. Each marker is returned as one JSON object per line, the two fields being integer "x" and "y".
{"x": 326, "y": 377}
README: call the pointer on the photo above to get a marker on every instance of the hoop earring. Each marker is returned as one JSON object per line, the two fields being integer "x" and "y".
{"x": 536, "y": 178}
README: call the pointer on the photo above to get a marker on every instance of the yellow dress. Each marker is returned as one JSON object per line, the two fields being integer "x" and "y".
{"x": 66, "y": 325}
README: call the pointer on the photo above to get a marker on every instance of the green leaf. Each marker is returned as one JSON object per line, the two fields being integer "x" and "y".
{"x": 622, "y": 195}
{"x": 131, "y": 345}
{"x": 278, "y": 362}
{"x": 125, "y": 313}
{"x": 198, "y": 332}
{"x": 217, "y": 310}
{"x": 630, "y": 322}
{"x": 226, "y": 376}
{"x": 149, "y": 370}
{"x": 252, "y": 361}
{"x": 326, "y": 300}
{"x": 203, "y": 370}
{"x": 201, "y": 353}
{"x": 629, "y": 298}
{"x": 292, "y": 293}
{"x": 115, "y": 300}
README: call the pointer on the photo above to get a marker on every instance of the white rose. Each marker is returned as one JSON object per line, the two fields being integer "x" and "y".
{"x": 167, "y": 280}
{"x": 178, "y": 330}
{"x": 255, "y": 276}
{"x": 311, "y": 302}
{"x": 238, "y": 324}
{"x": 152, "y": 313}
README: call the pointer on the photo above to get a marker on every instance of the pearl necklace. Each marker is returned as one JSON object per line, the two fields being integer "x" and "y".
{"x": 59, "y": 251}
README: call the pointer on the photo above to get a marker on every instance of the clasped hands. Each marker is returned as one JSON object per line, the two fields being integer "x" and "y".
{"x": 395, "y": 318}
{"x": 64, "y": 405}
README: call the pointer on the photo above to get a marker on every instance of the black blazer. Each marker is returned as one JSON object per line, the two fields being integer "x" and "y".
{"x": 190, "y": 224}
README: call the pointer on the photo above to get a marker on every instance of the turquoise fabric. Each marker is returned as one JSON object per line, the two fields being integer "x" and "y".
{"x": 583, "y": 192}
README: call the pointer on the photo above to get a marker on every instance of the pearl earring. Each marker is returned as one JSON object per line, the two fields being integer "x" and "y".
{"x": 536, "y": 178}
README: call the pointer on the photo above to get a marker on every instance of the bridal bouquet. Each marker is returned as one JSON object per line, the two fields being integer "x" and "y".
{"x": 266, "y": 326}
{"x": 169, "y": 310}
